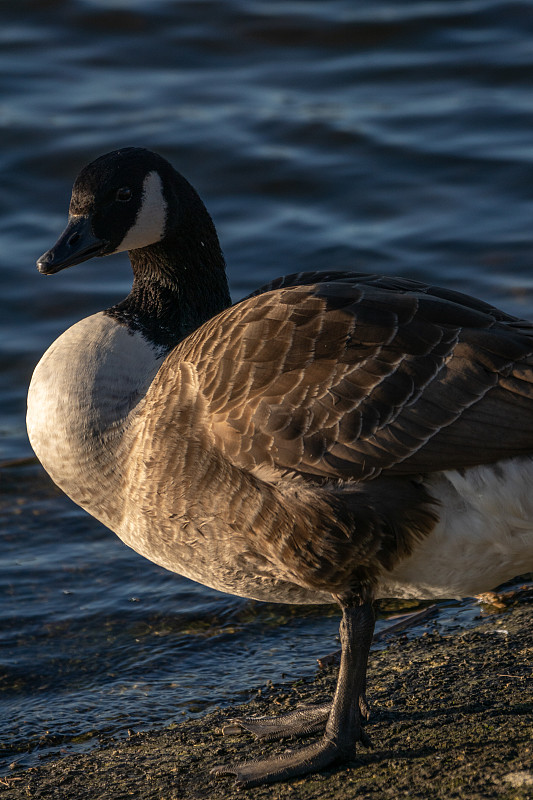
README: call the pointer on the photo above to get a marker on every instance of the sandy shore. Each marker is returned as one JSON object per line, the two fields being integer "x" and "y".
{"x": 452, "y": 717}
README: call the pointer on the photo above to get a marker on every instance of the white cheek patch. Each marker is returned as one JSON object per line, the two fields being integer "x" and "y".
{"x": 150, "y": 222}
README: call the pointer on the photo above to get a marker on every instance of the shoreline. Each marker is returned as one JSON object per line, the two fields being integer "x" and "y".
{"x": 452, "y": 717}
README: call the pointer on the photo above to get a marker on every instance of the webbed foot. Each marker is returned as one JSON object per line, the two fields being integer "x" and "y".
{"x": 300, "y": 722}
{"x": 303, "y": 721}
{"x": 289, "y": 765}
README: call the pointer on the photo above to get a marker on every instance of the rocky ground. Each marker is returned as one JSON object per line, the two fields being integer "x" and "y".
{"x": 452, "y": 717}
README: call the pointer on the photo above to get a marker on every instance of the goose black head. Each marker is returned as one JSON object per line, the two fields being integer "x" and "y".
{"x": 134, "y": 200}
{"x": 121, "y": 201}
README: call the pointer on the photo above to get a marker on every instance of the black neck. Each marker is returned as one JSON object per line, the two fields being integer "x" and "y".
{"x": 178, "y": 284}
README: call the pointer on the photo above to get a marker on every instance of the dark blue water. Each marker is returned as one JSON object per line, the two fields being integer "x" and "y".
{"x": 381, "y": 136}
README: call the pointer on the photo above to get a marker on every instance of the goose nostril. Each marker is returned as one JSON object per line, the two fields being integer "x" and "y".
{"x": 72, "y": 240}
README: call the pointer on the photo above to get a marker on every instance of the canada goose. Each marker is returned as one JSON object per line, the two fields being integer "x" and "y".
{"x": 333, "y": 437}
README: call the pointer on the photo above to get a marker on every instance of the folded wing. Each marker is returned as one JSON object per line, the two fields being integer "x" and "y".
{"x": 346, "y": 375}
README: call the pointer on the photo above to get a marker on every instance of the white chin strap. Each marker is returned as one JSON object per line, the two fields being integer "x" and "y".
{"x": 149, "y": 225}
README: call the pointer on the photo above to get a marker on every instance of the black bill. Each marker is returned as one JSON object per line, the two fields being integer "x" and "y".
{"x": 76, "y": 244}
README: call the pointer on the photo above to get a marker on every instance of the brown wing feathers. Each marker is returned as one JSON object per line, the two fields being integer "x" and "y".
{"x": 362, "y": 374}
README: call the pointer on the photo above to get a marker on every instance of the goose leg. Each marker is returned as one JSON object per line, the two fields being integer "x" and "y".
{"x": 343, "y": 727}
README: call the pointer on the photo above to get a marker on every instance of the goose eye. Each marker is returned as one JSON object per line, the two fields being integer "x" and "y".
{"x": 123, "y": 194}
